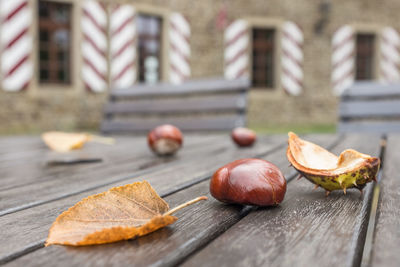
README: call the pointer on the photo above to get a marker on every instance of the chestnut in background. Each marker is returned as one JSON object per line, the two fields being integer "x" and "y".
{"x": 165, "y": 140}
{"x": 243, "y": 136}
{"x": 249, "y": 182}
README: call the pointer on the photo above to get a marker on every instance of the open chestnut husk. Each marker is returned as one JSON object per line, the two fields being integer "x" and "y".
{"x": 243, "y": 136}
{"x": 249, "y": 182}
{"x": 165, "y": 140}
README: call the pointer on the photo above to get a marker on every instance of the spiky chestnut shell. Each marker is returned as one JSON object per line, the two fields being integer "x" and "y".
{"x": 352, "y": 179}
{"x": 165, "y": 140}
{"x": 350, "y": 170}
{"x": 249, "y": 182}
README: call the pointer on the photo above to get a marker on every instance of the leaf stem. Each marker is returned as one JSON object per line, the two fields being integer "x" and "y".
{"x": 190, "y": 202}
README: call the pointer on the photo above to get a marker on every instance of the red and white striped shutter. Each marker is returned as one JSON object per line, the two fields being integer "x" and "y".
{"x": 16, "y": 44}
{"x": 123, "y": 46}
{"x": 389, "y": 55}
{"x": 292, "y": 58}
{"x": 236, "y": 41}
{"x": 179, "y": 54}
{"x": 343, "y": 59}
{"x": 94, "y": 45}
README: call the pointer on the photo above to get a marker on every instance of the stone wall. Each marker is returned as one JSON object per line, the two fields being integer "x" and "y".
{"x": 65, "y": 110}
{"x": 23, "y": 113}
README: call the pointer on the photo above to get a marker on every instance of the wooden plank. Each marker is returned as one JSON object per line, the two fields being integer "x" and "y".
{"x": 26, "y": 168}
{"x": 15, "y": 167}
{"x": 370, "y": 109}
{"x": 196, "y": 227}
{"x": 369, "y": 126}
{"x": 385, "y": 250}
{"x": 204, "y": 217}
{"x": 371, "y": 90}
{"x": 23, "y": 170}
{"x": 70, "y": 181}
{"x": 307, "y": 229}
{"x": 216, "y": 103}
{"x": 16, "y": 147}
{"x": 216, "y": 123}
{"x": 12, "y": 141}
{"x": 190, "y": 87}
{"x": 166, "y": 180}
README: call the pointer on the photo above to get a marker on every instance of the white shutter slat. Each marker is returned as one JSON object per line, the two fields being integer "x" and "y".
{"x": 343, "y": 59}
{"x": 123, "y": 41}
{"x": 16, "y": 44}
{"x": 389, "y": 55}
{"x": 292, "y": 58}
{"x": 94, "y": 46}
{"x": 236, "y": 41}
{"x": 179, "y": 56}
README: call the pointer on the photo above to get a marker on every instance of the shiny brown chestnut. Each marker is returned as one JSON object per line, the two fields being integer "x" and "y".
{"x": 249, "y": 182}
{"x": 243, "y": 136}
{"x": 165, "y": 140}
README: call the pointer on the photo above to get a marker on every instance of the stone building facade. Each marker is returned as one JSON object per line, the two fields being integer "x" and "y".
{"x": 45, "y": 105}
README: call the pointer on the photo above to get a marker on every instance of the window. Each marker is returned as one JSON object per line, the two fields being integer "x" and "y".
{"x": 263, "y": 58}
{"x": 54, "y": 42}
{"x": 149, "y": 42}
{"x": 365, "y": 56}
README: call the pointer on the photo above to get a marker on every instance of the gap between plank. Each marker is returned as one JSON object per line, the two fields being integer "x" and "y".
{"x": 122, "y": 160}
{"x": 208, "y": 175}
{"x": 26, "y": 250}
{"x": 361, "y": 243}
{"x": 367, "y": 251}
{"x": 40, "y": 244}
{"x": 139, "y": 172}
{"x": 179, "y": 256}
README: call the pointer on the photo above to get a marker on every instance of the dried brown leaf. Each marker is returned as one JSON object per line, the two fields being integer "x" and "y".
{"x": 120, "y": 213}
{"x": 63, "y": 142}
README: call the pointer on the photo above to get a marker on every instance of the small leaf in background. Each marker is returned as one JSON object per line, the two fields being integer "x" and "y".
{"x": 63, "y": 142}
{"x": 120, "y": 213}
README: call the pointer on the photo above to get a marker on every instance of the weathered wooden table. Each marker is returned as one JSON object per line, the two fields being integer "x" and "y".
{"x": 307, "y": 229}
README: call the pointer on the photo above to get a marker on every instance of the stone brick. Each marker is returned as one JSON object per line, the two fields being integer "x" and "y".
{"x": 22, "y": 112}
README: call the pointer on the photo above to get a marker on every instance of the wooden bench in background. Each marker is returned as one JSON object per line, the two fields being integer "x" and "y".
{"x": 370, "y": 107}
{"x": 197, "y": 105}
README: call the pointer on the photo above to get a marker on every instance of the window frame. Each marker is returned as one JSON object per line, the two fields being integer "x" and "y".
{"x": 69, "y": 26}
{"x": 371, "y": 39}
{"x": 162, "y": 37}
{"x": 75, "y": 85}
{"x": 273, "y": 82}
{"x": 272, "y": 24}
{"x": 375, "y": 30}
{"x": 163, "y": 14}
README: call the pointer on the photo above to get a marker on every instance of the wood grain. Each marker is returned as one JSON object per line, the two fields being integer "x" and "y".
{"x": 29, "y": 227}
{"x": 164, "y": 106}
{"x": 70, "y": 180}
{"x": 138, "y": 124}
{"x": 23, "y": 170}
{"x": 200, "y": 86}
{"x": 307, "y": 229}
{"x": 170, "y": 104}
{"x": 22, "y": 160}
{"x": 372, "y": 90}
{"x": 372, "y": 126}
{"x": 385, "y": 250}
{"x": 197, "y": 226}
{"x": 370, "y": 107}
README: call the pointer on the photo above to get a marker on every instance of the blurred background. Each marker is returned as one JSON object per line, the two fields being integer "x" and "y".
{"x": 61, "y": 58}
